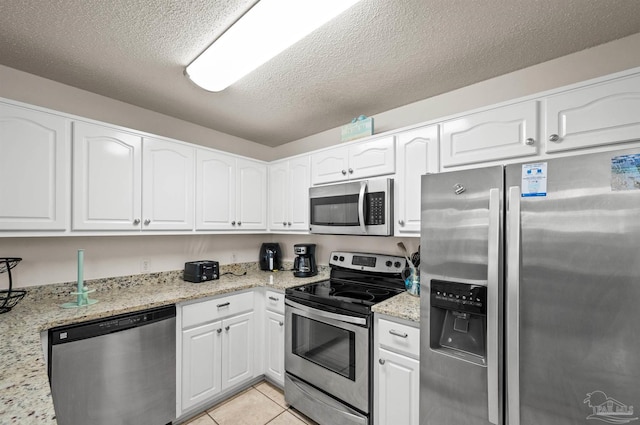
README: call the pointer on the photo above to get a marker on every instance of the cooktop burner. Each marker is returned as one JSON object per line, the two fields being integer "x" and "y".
{"x": 358, "y": 281}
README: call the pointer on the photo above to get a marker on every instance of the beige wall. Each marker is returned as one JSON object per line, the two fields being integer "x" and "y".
{"x": 598, "y": 61}
{"x": 34, "y": 90}
{"x": 53, "y": 260}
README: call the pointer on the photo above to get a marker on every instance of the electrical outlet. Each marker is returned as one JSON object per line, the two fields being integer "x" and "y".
{"x": 145, "y": 265}
{"x": 234, "y": 258}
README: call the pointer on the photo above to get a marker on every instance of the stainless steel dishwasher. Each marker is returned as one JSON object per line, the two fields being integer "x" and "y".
{"x": 117, "y": 370}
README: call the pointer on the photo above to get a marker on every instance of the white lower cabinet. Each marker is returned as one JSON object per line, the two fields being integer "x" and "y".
{"x": 397, "y": 373}
{"x": 274, "y": 338}
{"x": 217, "y": 348}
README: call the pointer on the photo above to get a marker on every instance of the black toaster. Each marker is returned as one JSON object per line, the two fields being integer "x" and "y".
{"x": 200, "y": 271}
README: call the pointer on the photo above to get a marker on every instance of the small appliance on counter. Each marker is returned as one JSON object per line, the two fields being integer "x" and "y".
{"x": 270, "y": 256}
{"x": 305, "y": 263}
{"x": 200, "y": 271}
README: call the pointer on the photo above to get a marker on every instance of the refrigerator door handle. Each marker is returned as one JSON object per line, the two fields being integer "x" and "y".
{"x": 493, "y": 276}
{"x": 513, "y": 306}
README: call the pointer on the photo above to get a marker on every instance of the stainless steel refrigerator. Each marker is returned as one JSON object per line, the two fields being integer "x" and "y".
{"x": 530, "y": 293}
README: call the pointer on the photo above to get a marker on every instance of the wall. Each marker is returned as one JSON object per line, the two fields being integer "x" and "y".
{"x": 598, "y": 61}
{"x": 34, "y": 90}
{"x": 52, "y": 260}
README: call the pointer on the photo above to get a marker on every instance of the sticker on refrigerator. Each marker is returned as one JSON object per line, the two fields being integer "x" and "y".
{"x": 625, "y": 172}
{"x": 534, "y": 179}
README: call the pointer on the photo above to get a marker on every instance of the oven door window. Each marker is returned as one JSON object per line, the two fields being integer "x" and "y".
{"x": 328, "y": 346}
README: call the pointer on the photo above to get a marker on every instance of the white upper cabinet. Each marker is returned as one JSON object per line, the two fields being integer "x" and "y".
{"x": 230, "y": 192}
{"x": 595, "y": 115}
{"x": 107, "y": 176}
{"x": 501, "y": 133}
{"x": 354, "y": 161}
{"x": 417, "y": 154}
{"x": 289, "y": 183}
{"x": 34, "y": 170}
{"x": 168, "y": 185}
{"x": 121, "y": 182}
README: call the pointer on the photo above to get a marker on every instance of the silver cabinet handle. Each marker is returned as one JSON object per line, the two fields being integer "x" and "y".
{"x": 284, "y": 223}
{"x": 530, "y": 141}
{"x": 289, "y": 223}
{"x": 381, "y": 361}
{"x": 554, "y": 138}
{"x": 344, "y": 172}
{"x": 136, "y": 221}
{"x": 239, "y": 223}
{"x": 233, "y": 223}
{"x": 224, "y": 304}
{"x": 401, "y": 222}
{"x": 350, "y": 170}
{"x": 273, "y": 298}
{"x": 219, "y": 330}
{"x": 226, "y": 328}
{"x": 147, "y": 222}
{"x": 400, "y": 334}
{"x": 281, "y": 323}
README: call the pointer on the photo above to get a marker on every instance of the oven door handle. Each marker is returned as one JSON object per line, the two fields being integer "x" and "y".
{"x": 363, "y": 189}
{"x": 326, "y": 314}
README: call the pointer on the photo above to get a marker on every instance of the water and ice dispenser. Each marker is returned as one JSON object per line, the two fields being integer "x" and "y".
{"x": 459, "y": 320}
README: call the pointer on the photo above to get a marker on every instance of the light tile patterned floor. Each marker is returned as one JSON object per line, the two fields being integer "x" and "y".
{"x": 259, "y": 405}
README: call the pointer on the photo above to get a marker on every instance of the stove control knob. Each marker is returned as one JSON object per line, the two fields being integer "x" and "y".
{"x": 397, "y": 264}
{"x": 388, "y": 263}
{"x": 341, "y": 258}
{"x": 335, "y": 258}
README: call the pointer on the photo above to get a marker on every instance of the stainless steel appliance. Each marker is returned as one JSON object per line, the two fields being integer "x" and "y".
{"x": 270, "y": 256}
{"x": 304, "y": 264}
{"x": 355, "y": 208}
{"x": 117, "y": 370}
{"x": 329, "y": 335}
{"x": 530, "y": 285}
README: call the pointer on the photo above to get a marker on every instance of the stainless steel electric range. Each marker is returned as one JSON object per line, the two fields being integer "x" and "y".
{"x": 329, "y": 337}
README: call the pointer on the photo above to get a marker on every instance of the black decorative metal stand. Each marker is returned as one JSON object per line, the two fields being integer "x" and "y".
{"x": 9, "y": 297}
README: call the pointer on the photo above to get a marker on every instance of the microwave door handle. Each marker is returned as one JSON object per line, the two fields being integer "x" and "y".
{"x": 363, "y": 190}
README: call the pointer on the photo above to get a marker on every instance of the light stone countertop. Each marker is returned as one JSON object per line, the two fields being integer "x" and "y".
{"x": 25, "y": 396}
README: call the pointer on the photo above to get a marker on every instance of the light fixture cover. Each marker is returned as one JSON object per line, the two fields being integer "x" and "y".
{"x": 264, "y": 31}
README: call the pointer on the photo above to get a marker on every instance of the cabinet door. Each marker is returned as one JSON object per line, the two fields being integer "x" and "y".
{"x": 417, "y": 155}
{"x": 595, "y": 115}
{"x": 299, "y": 183}
{"x": 107, "y": 173}
{"x": 168, "y": 185}
{"x": 278, "y": 195}
{"x": 329, "y": 166}
{"x": 398, "y": 389}
{"x": 251, "y": 204}
{"x": 35, "y": 160}
{"x": 373, "y": 158}
{"x": 215, "y": 190}
{"x": 274, "y": 350}
{"x": 201, "y": 359}
{"x": 501, "y": 133}
{"x": 237, "y": 349}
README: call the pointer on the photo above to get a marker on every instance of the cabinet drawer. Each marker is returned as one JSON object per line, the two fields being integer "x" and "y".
{"x": 398, "y": 337}
{"x": 206, "y": 311}
{"x": 275, "y": 301}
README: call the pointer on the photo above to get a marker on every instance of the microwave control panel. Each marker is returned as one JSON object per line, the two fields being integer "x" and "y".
{"x": 375, "y": 208}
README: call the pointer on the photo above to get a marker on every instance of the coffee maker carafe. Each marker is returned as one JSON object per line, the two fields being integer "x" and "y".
{"x": 305, "y": 263}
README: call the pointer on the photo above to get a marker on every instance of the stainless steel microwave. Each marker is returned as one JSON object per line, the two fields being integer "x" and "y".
{"x": 355, "y": 208}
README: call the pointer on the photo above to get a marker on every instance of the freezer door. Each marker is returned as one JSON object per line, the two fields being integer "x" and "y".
{"x": 461, "y": 238}
{"x": 572, "y": 303}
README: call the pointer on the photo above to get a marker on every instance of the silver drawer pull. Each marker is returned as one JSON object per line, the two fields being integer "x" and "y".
{"x": 281, "y": 323}
{"x": 274, "y": 298}
{"x": 381, "y": 361}
{"x": 400, "y": 334}
{"x": 224, "y": 304}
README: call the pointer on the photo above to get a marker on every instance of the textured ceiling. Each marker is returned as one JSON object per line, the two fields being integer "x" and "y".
{"x": 378, "y": 55}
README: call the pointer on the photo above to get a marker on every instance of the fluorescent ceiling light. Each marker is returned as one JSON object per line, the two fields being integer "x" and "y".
{"x": 264, "y": 31}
